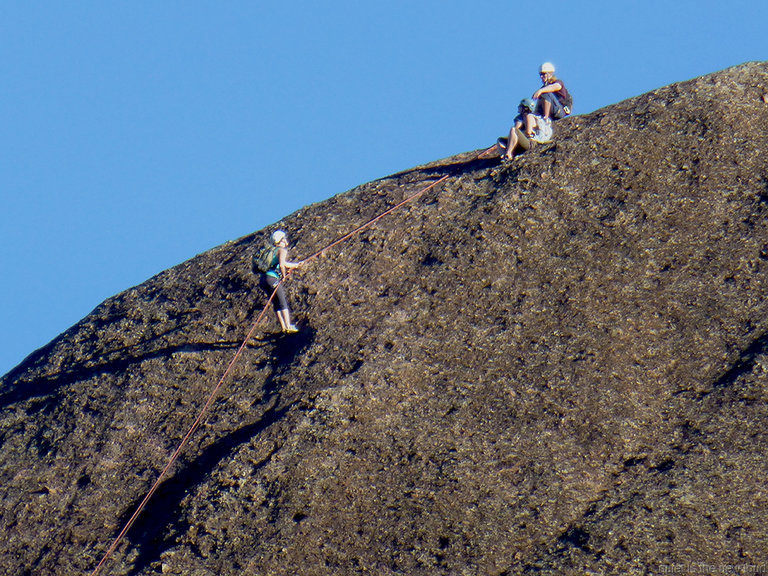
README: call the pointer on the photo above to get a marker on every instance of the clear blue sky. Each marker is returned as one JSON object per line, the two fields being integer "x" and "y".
{"x": 135, "y": 134}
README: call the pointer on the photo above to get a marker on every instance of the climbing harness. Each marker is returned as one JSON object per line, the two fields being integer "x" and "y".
{"x": 203, "y": 412}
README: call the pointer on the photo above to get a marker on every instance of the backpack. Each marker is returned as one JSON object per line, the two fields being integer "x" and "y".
{"x": 264, "y": 259}
{"x": 566, "y": 100}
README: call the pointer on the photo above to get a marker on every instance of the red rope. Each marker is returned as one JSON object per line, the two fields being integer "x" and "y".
{"x": 237, "y": 355}
{"x": 385, "y": 213}
{"x": 186, "y": 438}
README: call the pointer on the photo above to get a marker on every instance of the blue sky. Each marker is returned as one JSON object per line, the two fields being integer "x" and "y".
{"x": 135, "y": 135}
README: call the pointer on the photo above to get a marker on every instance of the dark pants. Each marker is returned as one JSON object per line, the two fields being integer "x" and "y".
{"x": 556, "y": 112}
{"x": 268, "y": 283}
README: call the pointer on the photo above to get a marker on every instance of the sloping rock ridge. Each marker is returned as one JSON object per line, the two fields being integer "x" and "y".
{"x": 553, "y": 366}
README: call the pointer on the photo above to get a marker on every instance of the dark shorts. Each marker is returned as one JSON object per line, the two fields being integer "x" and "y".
{"x": 268, "y": 283}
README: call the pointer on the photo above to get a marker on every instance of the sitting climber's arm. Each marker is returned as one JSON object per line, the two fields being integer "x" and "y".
{"x": 554, "y": 87}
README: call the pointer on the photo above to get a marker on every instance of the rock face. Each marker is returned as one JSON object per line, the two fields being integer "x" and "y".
{"x": 555, "y": 366}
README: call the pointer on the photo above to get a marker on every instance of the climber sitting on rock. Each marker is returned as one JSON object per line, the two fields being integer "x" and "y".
{"x": 527, "y": 127}
{"x": 553, "y": 99}
{"x": 272, "y": 262}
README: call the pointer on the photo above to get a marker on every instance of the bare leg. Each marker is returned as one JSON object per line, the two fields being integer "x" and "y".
{"x": 285, "y": 321}
{"x": 511, "y": 143}
{"x": 530, "y": 124}
{"x": 547, "y": 108}
{"x": 281, "y": 318}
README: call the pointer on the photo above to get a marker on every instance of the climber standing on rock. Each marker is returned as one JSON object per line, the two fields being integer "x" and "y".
{"x": 272, "y": 262}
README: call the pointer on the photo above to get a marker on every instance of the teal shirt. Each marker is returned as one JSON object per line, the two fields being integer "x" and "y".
{"x": 274, "y": 269}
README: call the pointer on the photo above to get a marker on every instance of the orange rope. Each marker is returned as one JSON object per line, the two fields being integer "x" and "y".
{"x": 237, "y": 355}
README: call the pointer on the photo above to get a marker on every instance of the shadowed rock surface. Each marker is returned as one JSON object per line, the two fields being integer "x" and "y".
{"x": 556, "y": 366}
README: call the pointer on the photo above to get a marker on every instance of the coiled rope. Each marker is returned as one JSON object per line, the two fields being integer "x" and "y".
{"x": 206, "y": 407}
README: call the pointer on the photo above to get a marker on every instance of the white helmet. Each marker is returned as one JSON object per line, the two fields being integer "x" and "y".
{"x": 278, "y": 236}
{"x": 547, "y": 67}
